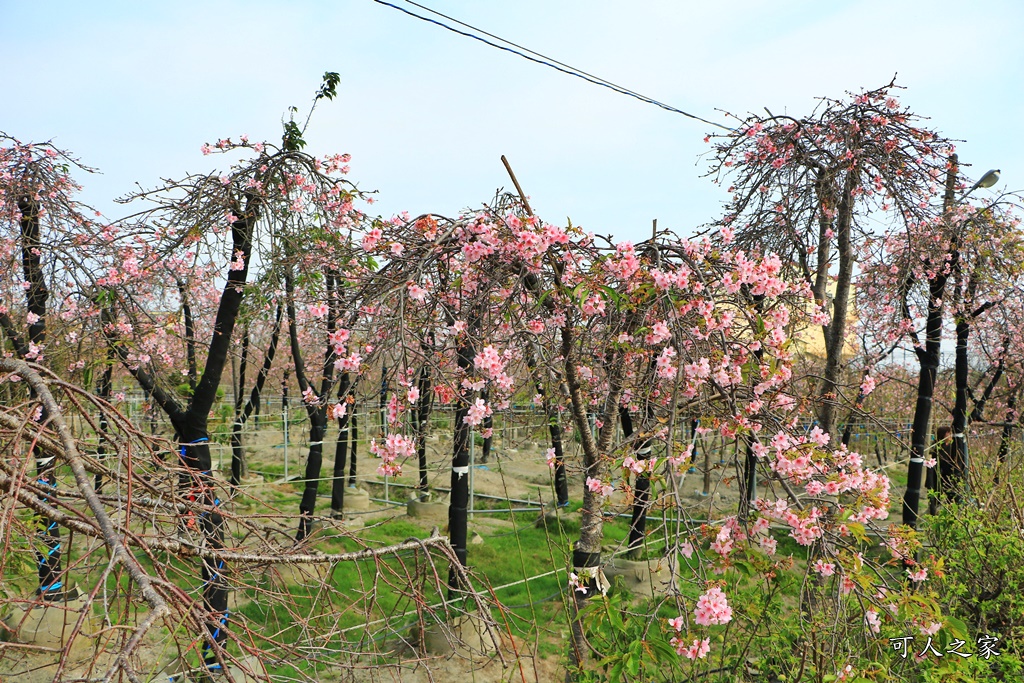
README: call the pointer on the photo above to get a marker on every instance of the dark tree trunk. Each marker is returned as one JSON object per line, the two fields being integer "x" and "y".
{"x": 929, "y": 361}
{"x": 316, "y": 410}
{"x": 341, "y": 450}
{"x": 458, "y": 515}
{"x": 953, "y": 485}
{"x": 554, "y": 430}
{"x": 355, "y": 444}
{"x": 190, "y": 339}
{"x": 256, "y": 414}
{"x": 423, "y": 409}
{"x": 314, "y": 463}
{"x": 284, "y": 388}
{"x": 977, "y": 414}
{"x": 191, "y": 429}
{"x": 51, "y": 584}
{"x": 195, "y": 435}
{"x": 837, "y": 328}
{"x": 642, "y": 488}
{"x": 103, "y": 388}
{"x": 928, "y": 357}
{"x": 237, "y": 449}
{"x": 586, "y": 555}
{"x": 383, "y": 398}
{"x": 239, "y": 466}
{"x": 1007, "y": 435}
{"x": 488, "y": 426}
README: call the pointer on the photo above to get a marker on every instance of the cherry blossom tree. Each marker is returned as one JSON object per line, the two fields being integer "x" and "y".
{"x": 41, "y": 222}
{"x": 809, "y": 189}
{"x": 211, "y": 222}
{"x": 924, "y": 262}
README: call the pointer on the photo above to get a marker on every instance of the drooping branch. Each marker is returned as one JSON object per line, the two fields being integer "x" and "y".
{"x": 111, "y": 537}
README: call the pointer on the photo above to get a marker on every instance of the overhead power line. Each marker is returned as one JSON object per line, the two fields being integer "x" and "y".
{"x": 537, "y": 57}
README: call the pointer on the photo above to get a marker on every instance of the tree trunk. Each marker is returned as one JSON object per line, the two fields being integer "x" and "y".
{"x": 835, "y": 337}
{"x": 239, "y": 465}
{"x": 928, "y": 357}
{"x": 341, "y": 450}
{"x": 837, "y": 327}
{"x": 51, "y": 584}
{"x": 554, "y": 429}
{"x": 1007, "y": 434}
{"x": 488, "y": 426}
{"x": 586, "y": 554}
{"x": 191, "y": 429}
{"x": 977, "y": 414}
{"x": 642, "y": 488}
{"x": 423, "y": 409}
{"x": 954, "y": 485}
{"x": 316, "y": 409}
{"x": 355, "y": 444}
{"x": 103, "y": 389}
{"x": 458, "y": 515}
{"x": 237, "y": 449}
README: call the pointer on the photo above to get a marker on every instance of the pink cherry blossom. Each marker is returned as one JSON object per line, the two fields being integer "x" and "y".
{"x": 477, "y": 412}
{"x": 872, "y": 620}
{"x": 697, "y": 650}
{"x": 712, "y": 608}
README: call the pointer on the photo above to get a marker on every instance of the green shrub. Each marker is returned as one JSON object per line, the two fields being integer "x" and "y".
{"x": 982, "y": 549}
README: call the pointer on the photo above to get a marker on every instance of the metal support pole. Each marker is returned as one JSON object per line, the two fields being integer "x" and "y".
{"x": 284, "y": 417}
{"x": 472, "y": 453}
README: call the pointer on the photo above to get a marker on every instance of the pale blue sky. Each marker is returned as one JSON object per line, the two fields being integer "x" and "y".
{"x": 136, "y": 88}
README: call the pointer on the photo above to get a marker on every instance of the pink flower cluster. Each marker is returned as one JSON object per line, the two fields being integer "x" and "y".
{"x": 489, "y": 362}
{"x": 712, "y": 608}
{"x": 395, "y": 446}
{"x": 417, "y": 293}
{"x": 350, "y": 363}
{"x": 639, "y": 466}
{"x": 698, "y": 649}
{"x": 824, "y": 568}
{"x": 665, "y": 364}
{"x": 872, "y": 621}
{"x": 477, "y": 412}
{"x": 599, "y": 487}
{"x": 659, "y": 333}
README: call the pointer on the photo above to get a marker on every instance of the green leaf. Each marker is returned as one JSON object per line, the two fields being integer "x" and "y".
{"x": 957, "y": 627}
{"x": 329, "y": 87}
{"x": 615, "y": 617}
{"x": 663, "y": 649}
{"x": 745, "y": 566}
{"x": 632, "y": 665}
{"x": 292, "y": 138}
{"x": 858, "y": 532}
{"x": 612, "y": 294}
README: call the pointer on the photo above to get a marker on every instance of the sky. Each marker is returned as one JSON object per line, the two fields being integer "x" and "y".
{"x": 134, "y": 89}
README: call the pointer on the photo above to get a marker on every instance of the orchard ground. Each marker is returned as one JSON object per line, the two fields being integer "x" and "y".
{"x": 512, "y": 542}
